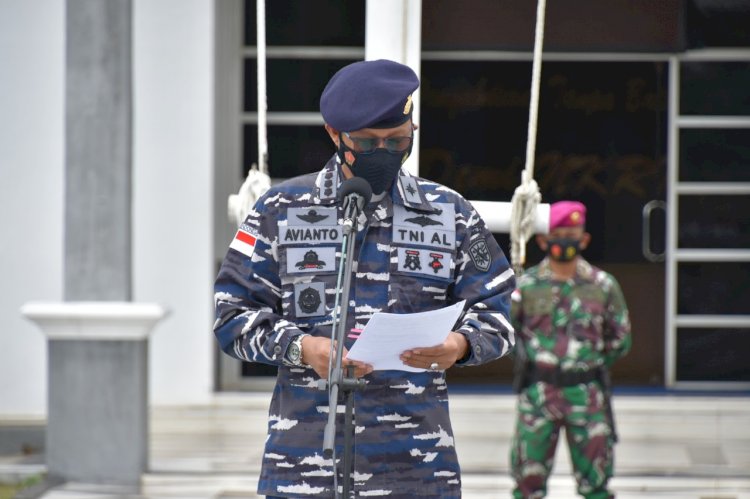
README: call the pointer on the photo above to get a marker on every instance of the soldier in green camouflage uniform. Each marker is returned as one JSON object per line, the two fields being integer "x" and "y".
{"x": 572, "y": 324}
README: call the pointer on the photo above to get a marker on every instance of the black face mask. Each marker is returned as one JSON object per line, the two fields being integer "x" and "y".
{"x": 563, "y": 249}
{"x": 379, "y": 168}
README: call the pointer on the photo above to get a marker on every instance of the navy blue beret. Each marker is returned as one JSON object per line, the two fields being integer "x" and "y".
{"x": 369, "y": 94}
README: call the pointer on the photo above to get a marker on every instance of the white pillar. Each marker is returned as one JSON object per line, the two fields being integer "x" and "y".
{"x": 97, "y": 429}
{"x": 393, "y": 30}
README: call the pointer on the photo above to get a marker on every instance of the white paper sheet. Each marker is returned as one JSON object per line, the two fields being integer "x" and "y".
{"x": 386, "y": 336}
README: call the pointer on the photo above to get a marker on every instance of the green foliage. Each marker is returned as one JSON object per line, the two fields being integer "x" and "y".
{"x": 9, "y": 490}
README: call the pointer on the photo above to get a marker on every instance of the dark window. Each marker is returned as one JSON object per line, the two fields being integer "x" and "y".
{"x": 714, "y": 222}
{"x": 292, "y": 150}
{"x": 713, "y": 354}
{"x": 601, "y": 139}
{"x": 712, "y": 23}
{"x": 294, "y": 85}
{"x": 715, "y": 88}
{"x": 713, "y": 288}
{"x": 714, "y": 155}
{"x": 309, "y": 22}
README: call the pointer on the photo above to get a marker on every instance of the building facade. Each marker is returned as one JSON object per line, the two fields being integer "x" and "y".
{"x": 644, "y": 116}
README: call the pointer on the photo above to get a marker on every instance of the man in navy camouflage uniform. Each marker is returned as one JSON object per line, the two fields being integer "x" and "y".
{"x": 572, "y": 325}
{"x": 420, "y": 246}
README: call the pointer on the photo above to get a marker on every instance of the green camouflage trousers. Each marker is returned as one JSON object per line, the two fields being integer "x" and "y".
{"x": 542, "y": 410}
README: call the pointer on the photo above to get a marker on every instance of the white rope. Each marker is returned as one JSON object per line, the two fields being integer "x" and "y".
{"x": 255, "y": 185}
{"x": 257, "y": 181}
{"x": 527, "y": 197}
{"x": 262, "y": 97}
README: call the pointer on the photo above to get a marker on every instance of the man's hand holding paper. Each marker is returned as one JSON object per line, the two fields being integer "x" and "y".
{"x": 411, "y": 342}
{"x": 439, "y": 357}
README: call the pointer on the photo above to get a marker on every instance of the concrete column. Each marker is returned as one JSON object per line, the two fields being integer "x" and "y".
{"x": 97, "y": 428}
{"x": 98, "y": 147}
{"x": 97, "y": 416}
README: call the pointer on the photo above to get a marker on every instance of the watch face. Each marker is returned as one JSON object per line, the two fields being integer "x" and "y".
{"x": 293, "y": 353}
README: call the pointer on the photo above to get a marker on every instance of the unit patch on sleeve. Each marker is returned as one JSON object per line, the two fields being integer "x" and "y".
{"x": 480, "y": 254}
{"x": 244, "y": 241}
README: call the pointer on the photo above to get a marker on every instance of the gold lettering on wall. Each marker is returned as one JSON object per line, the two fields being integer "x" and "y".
{"x": 557, "y": 174}
{"x": 587, "y": 101}
{"x": 561, "y": 94}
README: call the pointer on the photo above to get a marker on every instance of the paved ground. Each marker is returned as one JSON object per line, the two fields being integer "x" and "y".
{"x": 671, "y": 446}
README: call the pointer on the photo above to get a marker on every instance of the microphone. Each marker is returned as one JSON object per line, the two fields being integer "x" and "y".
{"x": 355, "y": 194}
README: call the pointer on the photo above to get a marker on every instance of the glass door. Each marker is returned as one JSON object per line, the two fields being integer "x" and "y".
{"x": 708, "y": 266}
{"x": 602, "y": 140}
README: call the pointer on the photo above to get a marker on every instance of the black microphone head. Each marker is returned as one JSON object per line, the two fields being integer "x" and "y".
{"x": 355, "y": 185}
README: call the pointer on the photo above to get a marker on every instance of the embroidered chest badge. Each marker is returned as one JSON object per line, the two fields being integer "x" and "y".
{"x": 435, "y": 264}
{"x": 423, "y": 221}
{"x": 308, "y": 301}
{"x": 412, "y": 260}
{"x": 311, "y": 261}
{"x": 312, "y": 217}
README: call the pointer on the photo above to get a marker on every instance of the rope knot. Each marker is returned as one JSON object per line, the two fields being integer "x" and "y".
{"x": 526, "y": 199}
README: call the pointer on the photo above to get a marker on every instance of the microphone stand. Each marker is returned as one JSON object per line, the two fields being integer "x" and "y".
{"x": 338, "y": 380}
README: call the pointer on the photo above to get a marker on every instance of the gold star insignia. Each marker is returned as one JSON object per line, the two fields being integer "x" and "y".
{"x": 575, "y": 216}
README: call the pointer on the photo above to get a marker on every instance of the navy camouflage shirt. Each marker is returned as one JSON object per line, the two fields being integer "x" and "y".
{"x": 420, "y": 248}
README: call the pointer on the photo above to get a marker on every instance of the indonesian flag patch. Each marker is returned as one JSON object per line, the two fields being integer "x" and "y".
{"x": 244, "y": 242}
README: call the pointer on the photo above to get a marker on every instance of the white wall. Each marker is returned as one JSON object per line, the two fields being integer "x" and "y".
{"x": 32, "y": 46}
{"x": 393, "y": 30}
{"x": 172, "y": 231}
{"x": 173, "y": 129}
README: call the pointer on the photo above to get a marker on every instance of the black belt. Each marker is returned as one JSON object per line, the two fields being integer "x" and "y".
{"x": 563, "y": 378}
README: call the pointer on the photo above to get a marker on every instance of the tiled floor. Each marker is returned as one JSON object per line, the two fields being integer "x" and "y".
{"x": 670, "y": 447}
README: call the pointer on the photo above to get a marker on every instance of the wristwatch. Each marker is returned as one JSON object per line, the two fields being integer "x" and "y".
{"x": 294, "y": 351}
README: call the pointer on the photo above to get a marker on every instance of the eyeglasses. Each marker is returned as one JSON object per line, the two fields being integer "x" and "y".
{"x": 367, "y": 145}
